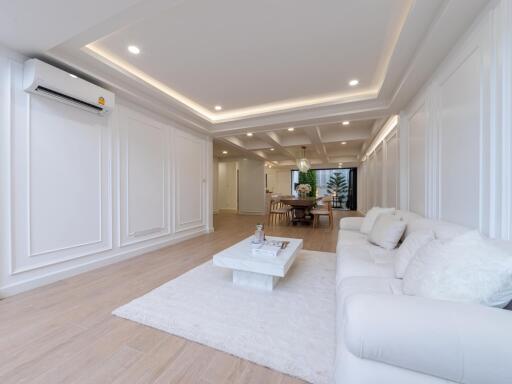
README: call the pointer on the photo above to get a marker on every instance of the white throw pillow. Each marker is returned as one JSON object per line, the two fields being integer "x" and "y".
{"x": 468, "y": 269}
{"x": 387, "y": 231}
{"x": 408, "y": 249}
{"x": 371, "y": 216}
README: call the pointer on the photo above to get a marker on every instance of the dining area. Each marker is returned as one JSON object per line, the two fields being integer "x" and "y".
{"x": 299, "y": 210}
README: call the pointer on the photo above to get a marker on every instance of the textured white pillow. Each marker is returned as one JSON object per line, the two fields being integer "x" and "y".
{"x": 387, "y": 231}
{"x": 408, "y": 249}
{"x": 371, "y": 216}
{"x": 468, "y": 269}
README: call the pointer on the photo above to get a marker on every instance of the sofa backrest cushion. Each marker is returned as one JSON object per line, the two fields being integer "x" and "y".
{"x": 387, "y": 231}
{"x": 371, "y": 217}
{"x": 442, "y": 229}
{"x": 469, "y": 268}
{"x": 407, "y": 250}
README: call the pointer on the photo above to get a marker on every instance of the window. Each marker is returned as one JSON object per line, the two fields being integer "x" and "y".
{"x": 338, "y": 182}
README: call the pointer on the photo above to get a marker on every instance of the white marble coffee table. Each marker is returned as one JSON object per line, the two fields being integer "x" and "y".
{"x": 261, "y": 272}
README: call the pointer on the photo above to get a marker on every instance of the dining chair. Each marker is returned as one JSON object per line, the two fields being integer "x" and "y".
{"x": 277, "y": 210}
{"x": 323, "y": 210}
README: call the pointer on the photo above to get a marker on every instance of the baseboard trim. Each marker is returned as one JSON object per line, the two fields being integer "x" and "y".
{"x": 119, "y": 256}
{"x": 227, "y": 210}
{"x": 255, "y": 213}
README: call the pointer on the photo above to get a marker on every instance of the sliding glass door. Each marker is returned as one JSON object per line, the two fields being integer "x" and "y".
{"x": 340, "y": 183}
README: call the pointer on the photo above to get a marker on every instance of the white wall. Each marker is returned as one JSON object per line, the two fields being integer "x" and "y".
{"x": 378, "y": 176}
{"x": 227, "y": 191}
{"x": 453, "y": 157}
{"x": 252, "y": 187}
{"x": 215, "y": 184}
{"x": 279, "y": 180}
{"x": 80, "y": 190}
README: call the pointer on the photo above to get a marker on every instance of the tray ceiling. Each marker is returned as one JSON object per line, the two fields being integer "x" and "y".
{"x": 253, "y": 57}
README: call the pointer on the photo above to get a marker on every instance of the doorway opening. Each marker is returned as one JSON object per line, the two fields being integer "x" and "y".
{"x": 340, "y": 183}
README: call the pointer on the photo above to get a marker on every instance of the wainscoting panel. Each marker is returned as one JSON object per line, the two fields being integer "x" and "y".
{"x": 84, "y": 191}
{"x": 144, "y": 170}
{"x": 391, "y": 165}
{"x": 370, "y": 190}
{"x": 379, "y": 176}
{"x": 62, "y": 204}
{"x": 362, "y": 171}
{"x": 459, "y": 131}
{"x": 417, "y": 160}
{"x": 459, "y": 143}
{"x": 189, "y": 159}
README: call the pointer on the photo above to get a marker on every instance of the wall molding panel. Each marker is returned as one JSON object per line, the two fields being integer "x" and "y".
{"x": 43, "y": 182}
{"x": 86, "y": 190}
{"x": 455, "y": 136}
{"x": 190, "y": 181}
{"x": 144, "y": 162}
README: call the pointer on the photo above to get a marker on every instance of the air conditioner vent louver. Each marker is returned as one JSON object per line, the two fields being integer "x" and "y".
{"x": 40, "y": 78}
{"x": 66, "y": 98}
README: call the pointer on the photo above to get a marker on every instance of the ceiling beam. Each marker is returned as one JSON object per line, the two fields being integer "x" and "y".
{"x": 235, "y": 143}
{"x": 272, "y": 139}
{"x": 315, "y": 136}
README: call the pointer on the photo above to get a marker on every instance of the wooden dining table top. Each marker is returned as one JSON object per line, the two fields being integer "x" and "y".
{"x": 300, "y": 201}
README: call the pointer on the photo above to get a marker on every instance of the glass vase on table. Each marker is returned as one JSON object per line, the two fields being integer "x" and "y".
{"x": 259, "y": 235}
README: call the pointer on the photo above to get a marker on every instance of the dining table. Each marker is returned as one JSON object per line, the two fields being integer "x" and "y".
{"x": 301, "y": 207}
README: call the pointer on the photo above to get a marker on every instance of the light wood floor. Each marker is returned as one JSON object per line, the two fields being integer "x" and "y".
{"x": 65, "y": 333}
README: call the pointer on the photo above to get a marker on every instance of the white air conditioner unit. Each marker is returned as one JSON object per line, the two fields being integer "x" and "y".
{"x": 46, "y": 80}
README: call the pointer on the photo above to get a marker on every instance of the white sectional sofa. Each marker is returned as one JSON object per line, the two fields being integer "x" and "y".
{"x": 384, "y": 336}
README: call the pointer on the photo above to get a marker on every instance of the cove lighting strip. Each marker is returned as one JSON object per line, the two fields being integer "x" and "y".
{"x": 385, "y": 130}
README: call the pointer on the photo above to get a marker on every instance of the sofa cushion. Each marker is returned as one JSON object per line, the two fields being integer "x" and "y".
{"x": 408, "y": 217}
{"x": 469, "y": 269}
{"x": 387, "y": 231}
{"x": 371, "y": 216}
{"x": 462, "y": 343}
{"x": 442, "y": 229}
{"x": 362, "y": 285}
{"x": 351, "y": 237}
{"x": 367, "y": 285}
{"x": 364, "y": 260}
{"x": 351, "y": 223}
{"x": 407, "y": 250}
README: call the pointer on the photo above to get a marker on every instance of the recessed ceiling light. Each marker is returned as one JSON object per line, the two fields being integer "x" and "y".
{"x": 218, "y": 108}
{"x": 271, "y": 149}
{"x": 346, "y": 122}
{"x": 343, "y": 142}
{"x": 291, "y": 129}
{"x": 249, "y": 134}
{"x": 224, "y": 152}
{"x": 340, "y": 163}
{"x": 134, "y": 49}
{"x": 73, "y": 76}
{"x": 353, "y": 82}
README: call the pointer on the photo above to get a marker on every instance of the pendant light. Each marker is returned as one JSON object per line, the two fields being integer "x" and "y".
{"x": 303, "y": 164}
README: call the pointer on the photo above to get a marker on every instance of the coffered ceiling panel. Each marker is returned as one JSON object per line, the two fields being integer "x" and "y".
{"x": 325, "y": 145}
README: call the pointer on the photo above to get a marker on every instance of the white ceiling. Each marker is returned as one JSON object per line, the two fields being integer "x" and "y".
{"x": 243, "y": 55}
{"x": 270, "y": 64}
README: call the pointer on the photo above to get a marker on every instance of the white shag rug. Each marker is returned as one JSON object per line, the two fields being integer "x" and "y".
{"x": 291, "y": 329}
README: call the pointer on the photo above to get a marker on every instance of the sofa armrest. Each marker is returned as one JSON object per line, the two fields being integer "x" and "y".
{"x": 351, "y": 223}
{"x": 465, "y": 343}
